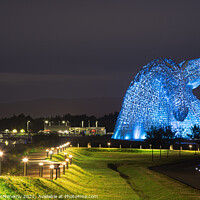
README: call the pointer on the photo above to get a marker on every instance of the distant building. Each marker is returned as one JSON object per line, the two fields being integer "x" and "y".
{"x": 66, "y": 129}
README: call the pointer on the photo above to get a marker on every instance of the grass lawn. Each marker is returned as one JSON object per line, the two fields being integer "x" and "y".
{"x": 106, "y": 174}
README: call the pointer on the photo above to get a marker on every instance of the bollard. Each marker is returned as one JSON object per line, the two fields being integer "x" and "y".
{"x": 63, "y": 168}
{"x": 1, "y": 154}
{"x": 40, "y": 169}
{"x": 70, "y": 159}
{"x": 25, "y": 160}
{"x": 160, "y": 151}
{"x": 47, "y": 150}
{"x": 67, "y": 163}
{"x": 120, "y": 146}
{"x": 99, "y": 145}
{"x": 51, "y": 171}
{"x": 140, "y": 146}
{"x": 78, "y": 145}
{"x": 50, "y": 152}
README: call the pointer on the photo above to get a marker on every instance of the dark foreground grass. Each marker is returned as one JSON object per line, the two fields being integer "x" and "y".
{"x": 106, "y": 174}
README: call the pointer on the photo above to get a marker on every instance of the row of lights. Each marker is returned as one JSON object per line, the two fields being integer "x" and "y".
{"x": 64, "y": 164}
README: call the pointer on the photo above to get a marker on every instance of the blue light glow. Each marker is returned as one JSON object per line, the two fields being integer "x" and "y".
{"x": 160, "y": 95}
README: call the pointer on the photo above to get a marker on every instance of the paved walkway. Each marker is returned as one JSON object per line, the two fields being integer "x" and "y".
{"x": 33, "y": 165}
{"x": 184, "y": 172}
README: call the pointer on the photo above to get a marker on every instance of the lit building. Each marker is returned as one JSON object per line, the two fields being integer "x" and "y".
{"x": 66, "y": 129}
{"x": 160, "y": 95}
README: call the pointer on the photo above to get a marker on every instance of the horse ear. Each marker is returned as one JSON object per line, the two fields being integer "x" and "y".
{"x": 191, "y": 72}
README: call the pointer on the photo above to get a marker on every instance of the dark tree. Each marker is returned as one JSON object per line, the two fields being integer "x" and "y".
{"x": 163, "y": 136}
{"x": 195, "y": 132}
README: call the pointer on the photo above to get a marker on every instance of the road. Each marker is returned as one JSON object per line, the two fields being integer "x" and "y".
{"x": 184, "y": 172}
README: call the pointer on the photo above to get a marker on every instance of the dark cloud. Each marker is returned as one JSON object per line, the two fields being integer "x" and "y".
{"x": 87, "y": 40}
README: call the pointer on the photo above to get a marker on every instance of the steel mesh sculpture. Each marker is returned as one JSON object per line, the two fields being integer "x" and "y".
{"x": 160, "y": 95}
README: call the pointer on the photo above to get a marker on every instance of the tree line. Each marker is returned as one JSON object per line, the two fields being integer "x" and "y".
{"x": 36, "y": 124}
{"x": 165, "y": 136}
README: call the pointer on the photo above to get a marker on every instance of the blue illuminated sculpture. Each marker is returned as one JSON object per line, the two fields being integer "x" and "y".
{"x": 160, "y": 95}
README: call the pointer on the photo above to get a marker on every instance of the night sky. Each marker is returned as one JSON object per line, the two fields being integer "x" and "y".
{"x": 89, "y": 49}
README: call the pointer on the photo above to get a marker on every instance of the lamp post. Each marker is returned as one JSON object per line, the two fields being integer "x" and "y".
{"x": 70, "y": 159}
{"x": 67, "y": 163}
{"x": 45, "y": 124}
{"x": 160, "y": 151}
{"x": 1, "y": 155}
{"x": 63, "y": 167}
{"x": 25, "y": 160}
{"x": 65, "y": 155}
{"x": 190, "y": 146}
{"x": 50, "y": 152}
{"x": 108, "y": 144}
{"x": 51, "y": 171}
{"x": 41, "y": 169}
{"x": 47, "y": 150}
{"x": 27, "y": 126}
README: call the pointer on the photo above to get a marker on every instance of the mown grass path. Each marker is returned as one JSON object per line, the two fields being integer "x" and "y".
{"x": 122, "y": 174}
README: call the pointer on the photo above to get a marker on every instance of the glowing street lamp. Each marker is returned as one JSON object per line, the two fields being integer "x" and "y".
{"x": 51, "y": 171}
{"x": 190, "y": 146}
{"x": 109, "y": 144}
{"x": 14, "y": 130}
{"x": 41, "y": 169}
{"x": 25, "y": 160}
{"x": 51, "y": 152}
{"x": 70, "y": 159}
{"x": 67, "y": 163}
{"x": 1, "y": 155}
{"x": 65, "y": 155}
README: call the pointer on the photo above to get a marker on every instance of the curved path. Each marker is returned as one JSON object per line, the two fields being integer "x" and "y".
{"x": 184, "y": 172}
{"x": 33, "y": 165}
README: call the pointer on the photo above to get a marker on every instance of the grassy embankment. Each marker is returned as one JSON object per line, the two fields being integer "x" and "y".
{"x": 109, "y": 174}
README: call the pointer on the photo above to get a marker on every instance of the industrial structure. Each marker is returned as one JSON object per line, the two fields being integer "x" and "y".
{"x": 65, "y": 129}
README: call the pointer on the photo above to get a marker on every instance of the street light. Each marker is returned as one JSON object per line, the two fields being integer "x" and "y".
{"x": 70, "y": 159}
{"x": 190, "y": 146}
{"x": 50, "y": 152}
{"x": 108, "y": 144}
{"x": 1, "y": 155}
{"x": 41, "y": 169}
{"x": 45, "y": 124}
{"x": 27, "y": 124}
{"x": 51, "y": 171}
{"x": 25, "y": 160}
